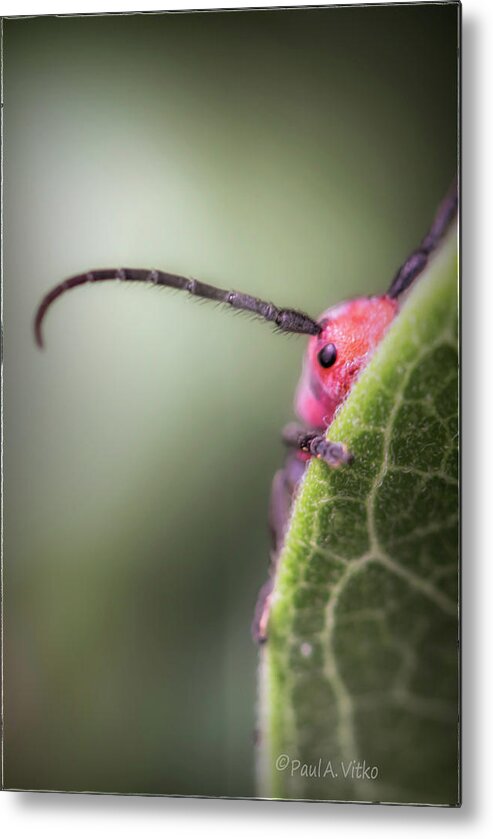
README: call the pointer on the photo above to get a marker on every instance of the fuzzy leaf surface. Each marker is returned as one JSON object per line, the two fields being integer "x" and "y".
{"x": 361, "y": 666}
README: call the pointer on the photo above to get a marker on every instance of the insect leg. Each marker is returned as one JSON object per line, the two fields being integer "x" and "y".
{"x": 284, "y": 486}
{"x": 261, "y": 613}
{"x": 316, "y": 445}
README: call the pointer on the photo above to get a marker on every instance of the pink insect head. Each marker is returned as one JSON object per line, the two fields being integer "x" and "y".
{"x": 349, "y": 334}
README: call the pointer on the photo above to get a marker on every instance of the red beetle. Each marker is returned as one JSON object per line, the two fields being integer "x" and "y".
{"x": 342, "y": 341}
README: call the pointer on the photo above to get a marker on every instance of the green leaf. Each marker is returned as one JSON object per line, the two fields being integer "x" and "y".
{"x": 361, "y": 662}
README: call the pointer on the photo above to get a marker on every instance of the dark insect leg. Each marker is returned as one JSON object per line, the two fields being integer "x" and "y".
{"x": 284, "y": 486}
{"x": 415, "y": 264}
{"x": 262, "y": 611}
{"x": 316, "y": 445}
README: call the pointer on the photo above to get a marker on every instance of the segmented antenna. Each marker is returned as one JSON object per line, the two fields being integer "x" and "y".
{"x": 286, "y": 320}
{"x": 417, "y": 261}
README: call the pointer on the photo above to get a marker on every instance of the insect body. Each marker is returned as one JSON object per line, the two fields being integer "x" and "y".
{"x": 341, "y": 343}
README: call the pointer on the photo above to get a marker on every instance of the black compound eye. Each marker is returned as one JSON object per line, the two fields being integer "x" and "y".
{"x": 327, "y": 355}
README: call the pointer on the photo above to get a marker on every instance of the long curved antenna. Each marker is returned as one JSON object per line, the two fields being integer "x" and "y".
{"x": 286, "y": 320}
{"x": 415, "y": 263}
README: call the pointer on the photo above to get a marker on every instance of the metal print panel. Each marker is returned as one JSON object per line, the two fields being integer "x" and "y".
{"x": 231, "y": 548}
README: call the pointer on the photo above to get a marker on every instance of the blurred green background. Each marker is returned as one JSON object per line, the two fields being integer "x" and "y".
{"x": 298, "y": 155}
